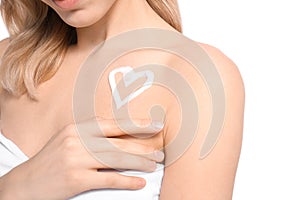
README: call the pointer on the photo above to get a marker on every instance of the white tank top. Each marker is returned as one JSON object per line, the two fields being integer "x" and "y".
{"x": 11, "y": 156}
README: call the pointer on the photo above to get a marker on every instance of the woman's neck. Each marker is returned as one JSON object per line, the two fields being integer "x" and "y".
{"x": 124, "y": 15}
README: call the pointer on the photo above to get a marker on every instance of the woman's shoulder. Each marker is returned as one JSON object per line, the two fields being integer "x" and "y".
{"x": 3, "y": 45}
{"x": 227, "y": 69}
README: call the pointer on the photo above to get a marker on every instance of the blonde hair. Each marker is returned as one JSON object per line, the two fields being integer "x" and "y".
{"x": 39, "y": 40}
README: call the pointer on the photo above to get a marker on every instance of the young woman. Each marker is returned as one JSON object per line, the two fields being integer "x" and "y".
{"x": 41, "y": 154}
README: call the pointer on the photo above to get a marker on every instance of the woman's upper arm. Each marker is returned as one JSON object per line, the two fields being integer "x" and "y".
{"x": 211, "y": 178}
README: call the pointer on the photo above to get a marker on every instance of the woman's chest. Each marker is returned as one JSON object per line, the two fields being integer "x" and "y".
{"x": 30, "y": 124}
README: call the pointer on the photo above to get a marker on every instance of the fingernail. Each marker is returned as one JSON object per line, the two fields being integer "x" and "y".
{"x": 153, "y": 166}
{"x": 141, "y": 183}
{"x": 159, "y": 155}
{"x": 157, "y": 125}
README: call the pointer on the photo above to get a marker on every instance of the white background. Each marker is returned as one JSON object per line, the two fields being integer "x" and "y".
{"x": 263, "y": 38}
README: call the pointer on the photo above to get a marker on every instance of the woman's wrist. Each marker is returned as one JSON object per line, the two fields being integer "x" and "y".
{"x": 8, "y": 188}
{"x": 4, "y": 191}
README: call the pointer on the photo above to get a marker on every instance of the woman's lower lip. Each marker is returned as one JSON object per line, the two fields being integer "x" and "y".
{"x": 66, "y": 4}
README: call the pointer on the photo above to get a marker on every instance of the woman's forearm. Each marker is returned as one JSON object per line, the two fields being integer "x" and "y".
{"x": 5, "y": 194}
{"x": 10, "y": 186}
{"x": 1, "y": 187}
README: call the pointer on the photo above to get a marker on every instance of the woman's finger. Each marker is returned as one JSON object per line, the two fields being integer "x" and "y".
{"x": 113, "y": 180}
{"x": 100, "y": 145}
{"x": 119, "y": 127}
{"x": 118, "y": 161}
{"x": 124, "y": 161}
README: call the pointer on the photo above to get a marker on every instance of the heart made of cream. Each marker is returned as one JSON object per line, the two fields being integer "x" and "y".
{"x": 129, "y": 76}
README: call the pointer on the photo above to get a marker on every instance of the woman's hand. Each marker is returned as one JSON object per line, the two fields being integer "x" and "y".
{"x": 64, "y": 167}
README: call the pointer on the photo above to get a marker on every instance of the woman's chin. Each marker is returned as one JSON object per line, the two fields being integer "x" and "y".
{"x": 79, "y": 21}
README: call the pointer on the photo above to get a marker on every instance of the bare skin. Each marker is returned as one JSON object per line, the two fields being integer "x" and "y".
{"x": 42, "y": 126}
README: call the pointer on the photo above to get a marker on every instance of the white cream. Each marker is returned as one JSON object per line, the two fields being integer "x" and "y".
{"x": 129, "y": 76}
